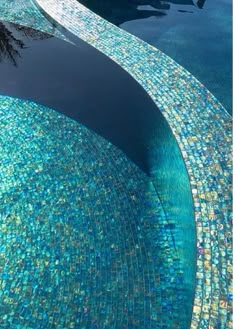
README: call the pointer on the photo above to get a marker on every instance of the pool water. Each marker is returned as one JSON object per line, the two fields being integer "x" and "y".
{"x": 97, "y": 218}
{"x": 82, "y": 238}
{"x": 197, "y": 34}
{"x": 120, "y": 184}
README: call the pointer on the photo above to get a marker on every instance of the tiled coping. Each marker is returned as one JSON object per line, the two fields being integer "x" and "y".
{"x": 202, "y": 129}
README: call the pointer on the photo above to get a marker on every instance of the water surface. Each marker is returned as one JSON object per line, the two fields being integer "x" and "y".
{"x": 108, "y": 101}
{"x": 197, "y": 34}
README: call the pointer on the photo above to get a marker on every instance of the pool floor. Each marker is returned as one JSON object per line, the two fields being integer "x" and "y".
{"x": 116, "y": 179}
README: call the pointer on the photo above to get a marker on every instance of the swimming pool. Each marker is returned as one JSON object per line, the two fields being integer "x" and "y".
{"x": 197, "y": 34}
{"x": 100, "y": 169}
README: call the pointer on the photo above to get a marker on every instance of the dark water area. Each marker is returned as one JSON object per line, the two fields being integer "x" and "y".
{"x": 196, "y": 34}
{"x": 102, "y": 96}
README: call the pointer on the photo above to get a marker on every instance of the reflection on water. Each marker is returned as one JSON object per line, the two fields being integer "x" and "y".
{"x": 197, "y": 34}
{"x": 11, "y": 40}
{"x": 9, "y": 45}
{"x": 200, "y": 3}
{"x": 122, "y": 11}
{"x": 30, "y": 33}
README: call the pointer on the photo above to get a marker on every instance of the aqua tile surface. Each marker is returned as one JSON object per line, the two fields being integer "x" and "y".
{"x": 181, "y": 259}
{"x": 84, "y": 239}
{"x": 203, "y": 131}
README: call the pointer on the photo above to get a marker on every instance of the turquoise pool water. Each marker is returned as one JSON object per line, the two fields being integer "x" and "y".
{"x": 78, "y": 223}
{"x": 197, "y": 34}
{"x": 84, "y": 235}
{"x": 162, "y": 283}
{"x": 203, "y": 130}
{"x": 153, "y": 292}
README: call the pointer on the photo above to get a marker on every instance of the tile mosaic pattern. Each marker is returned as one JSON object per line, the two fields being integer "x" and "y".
{"x": 26, "y": 13}
{"x": 84, "y": 239}
{"x": 202, "y": 129}
{"x": 178, "y": 293}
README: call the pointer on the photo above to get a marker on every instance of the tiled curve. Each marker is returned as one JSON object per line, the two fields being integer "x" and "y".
{"x": 84, "y": 242}
{"x": 203, "y": 131}
{"x": 177, "y": 295}
{"x": 26, "y": 13}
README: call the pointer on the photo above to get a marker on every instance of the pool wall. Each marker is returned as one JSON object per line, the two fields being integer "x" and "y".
{"x": 169, "y": 176}
{"x": 174, "y": 262}
{"x": 202, "y": 129}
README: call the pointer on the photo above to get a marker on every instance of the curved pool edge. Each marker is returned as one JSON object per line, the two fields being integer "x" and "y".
{"x": 202, "y": 128}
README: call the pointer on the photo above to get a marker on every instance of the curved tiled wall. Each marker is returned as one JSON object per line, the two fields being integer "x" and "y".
{"x": 215, "y": 208}
{"x": 203, "y": 131}
{"x": 175, "y": 290}
{"x": 82, "y": 230}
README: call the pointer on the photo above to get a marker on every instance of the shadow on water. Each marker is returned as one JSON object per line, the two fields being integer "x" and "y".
{"x": 120, "y": 11}
{"x": 11, "y": 45}
{"x": 200, "y": 3}
{"x": 30, "y": 33}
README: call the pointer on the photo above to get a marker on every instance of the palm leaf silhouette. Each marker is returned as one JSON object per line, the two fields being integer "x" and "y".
{"x": 11, "y": 45}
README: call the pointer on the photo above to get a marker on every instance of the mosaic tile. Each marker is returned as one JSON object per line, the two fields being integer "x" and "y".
{"x": 26, "y": 13}
{"x": 194, "y": 115}
{"x": 182, "y": 259}
{"x": 84, "y": 238}
{"x": 202, "y": 128}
